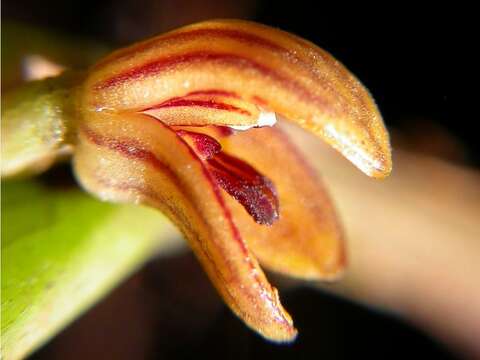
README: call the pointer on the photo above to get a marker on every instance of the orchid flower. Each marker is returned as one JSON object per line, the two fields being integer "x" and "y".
{"x": 185, "y": 123}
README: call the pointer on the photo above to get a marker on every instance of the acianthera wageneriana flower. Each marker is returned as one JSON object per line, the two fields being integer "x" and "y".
{"x": 155, "y": 124}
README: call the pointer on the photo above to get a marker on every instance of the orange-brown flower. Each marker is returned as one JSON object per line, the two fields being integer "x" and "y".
{"x": 156, "y": 124}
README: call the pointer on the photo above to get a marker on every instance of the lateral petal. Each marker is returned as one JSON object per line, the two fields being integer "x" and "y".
{"x": 306, "y": 241}
{"x": 136, "y": 158}
{"x": 244, "y": 183}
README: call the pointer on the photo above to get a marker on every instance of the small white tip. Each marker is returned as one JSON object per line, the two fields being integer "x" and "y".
{"x": 266, "y": 118}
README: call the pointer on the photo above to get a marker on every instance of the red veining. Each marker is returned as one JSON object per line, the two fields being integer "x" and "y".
{"x": 204, "y": 146}
{"x": 244, "y": 183}
{"x": 159, "y": 65}
{"x": 215, "y": 92}
{"x": 178, "y": 217}
{"x": 129, "y": 148}
{"x": 236, "y": 235}
{"x": 238, "y": 35}
{"x": 180, "y": 102}
{"x": 255, "y": 192}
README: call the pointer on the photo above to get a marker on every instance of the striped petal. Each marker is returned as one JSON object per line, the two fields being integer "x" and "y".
{"x": 253, "y": 64}
{"x": 306, "y": 241}
{"x": 143, "y": 161}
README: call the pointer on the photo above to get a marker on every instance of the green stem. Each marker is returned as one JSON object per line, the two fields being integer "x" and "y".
{"x": 37, "y": 122}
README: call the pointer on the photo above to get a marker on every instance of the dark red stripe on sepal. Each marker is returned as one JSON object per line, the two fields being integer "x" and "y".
{"x": 181, "y": 102}
{"x": 204, "y": 146}
{"x": 254, "y": 191}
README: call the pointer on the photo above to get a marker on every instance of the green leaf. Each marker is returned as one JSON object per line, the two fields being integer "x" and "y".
{"x": 61, "y": 252}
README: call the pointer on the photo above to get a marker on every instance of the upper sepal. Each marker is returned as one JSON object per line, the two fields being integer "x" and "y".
{"x": 241, "y": 64}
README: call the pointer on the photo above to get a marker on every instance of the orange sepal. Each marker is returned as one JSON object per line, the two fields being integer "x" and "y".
{"x": 143, "y": 161}
{"x": 306, "y": 241}
{"x": 243, "y": 62}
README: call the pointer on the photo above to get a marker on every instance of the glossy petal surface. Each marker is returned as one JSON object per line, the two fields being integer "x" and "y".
{"x": 141, "y": 160}
{"x": 258, "y": 64}
{"x": 307, "y": 240}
